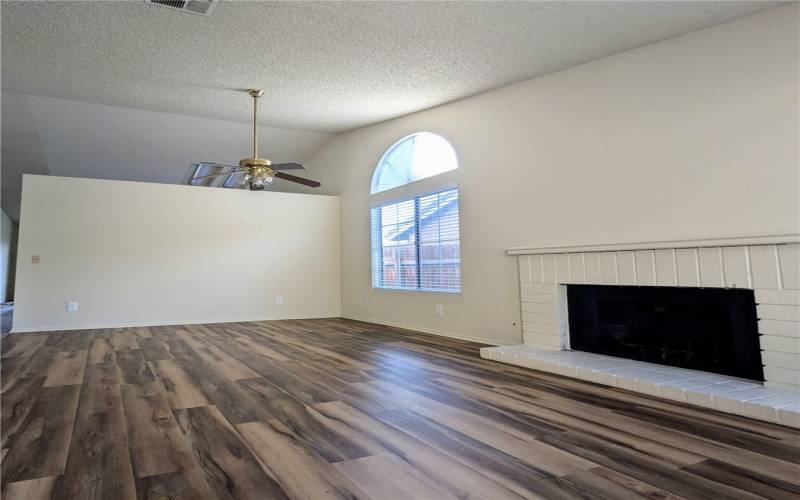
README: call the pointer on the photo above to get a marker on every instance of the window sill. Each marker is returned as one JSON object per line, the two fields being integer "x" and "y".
{"x": 412, "y": 290}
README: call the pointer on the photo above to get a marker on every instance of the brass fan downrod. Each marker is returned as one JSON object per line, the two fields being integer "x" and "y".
{"x": 257, "y": 168}
{"x": 255, "y": 94}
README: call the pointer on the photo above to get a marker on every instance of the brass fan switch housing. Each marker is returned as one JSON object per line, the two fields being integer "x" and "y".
{"x": 254, "y": 163}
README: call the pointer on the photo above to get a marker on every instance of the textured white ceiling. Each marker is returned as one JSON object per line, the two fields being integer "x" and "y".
{"x": 326, "y": 66}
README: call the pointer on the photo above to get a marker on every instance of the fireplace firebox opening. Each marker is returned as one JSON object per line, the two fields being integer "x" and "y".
{"x": 709, "y": 329}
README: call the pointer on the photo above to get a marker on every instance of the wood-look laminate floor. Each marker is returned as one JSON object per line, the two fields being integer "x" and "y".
{"x": 341, "y": 409}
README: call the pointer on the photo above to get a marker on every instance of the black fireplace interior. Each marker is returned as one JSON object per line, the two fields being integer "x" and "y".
{"x": 709, "y": 329}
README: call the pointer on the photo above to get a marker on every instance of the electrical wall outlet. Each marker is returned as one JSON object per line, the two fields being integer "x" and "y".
{"x": 279, "y": 300}
{"x": 35, "y": 259}
{"x": 72, "y": 307}
{"x": 439, "y": 310}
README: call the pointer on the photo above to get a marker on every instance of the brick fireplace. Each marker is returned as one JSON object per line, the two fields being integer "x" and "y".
{"x": 767, "y": 267}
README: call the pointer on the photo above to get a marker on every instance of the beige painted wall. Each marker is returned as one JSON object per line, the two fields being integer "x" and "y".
{"x": 143, "y": 254}
{"x": 690, "y": 138}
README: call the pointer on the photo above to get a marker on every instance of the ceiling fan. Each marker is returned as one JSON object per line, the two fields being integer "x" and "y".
{"x": 255, "y": 173}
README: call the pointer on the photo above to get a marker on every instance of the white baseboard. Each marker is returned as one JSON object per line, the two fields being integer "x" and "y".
{"x": 415, "y": 328}
{"x": 161, "y": 323}
{"x": 440, "y": 333}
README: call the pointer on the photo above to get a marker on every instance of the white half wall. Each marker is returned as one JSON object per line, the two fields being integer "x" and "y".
{"x": 134, "y": 253}
{"x": 694, "y": 137}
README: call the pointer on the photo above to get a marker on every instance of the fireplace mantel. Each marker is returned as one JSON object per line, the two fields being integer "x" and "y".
{"x": 721, "y": 241}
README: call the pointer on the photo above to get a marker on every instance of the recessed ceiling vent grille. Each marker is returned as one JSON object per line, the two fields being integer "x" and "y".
{"x": 203, "y": 7}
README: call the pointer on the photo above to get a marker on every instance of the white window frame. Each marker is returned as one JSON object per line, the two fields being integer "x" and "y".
{"x": 376, "y": 173}
{"x": 415, "y": 189}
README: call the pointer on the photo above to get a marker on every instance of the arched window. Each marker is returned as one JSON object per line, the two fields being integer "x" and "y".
{"x": 415, "y": 229}
{"x": 415, "y": 157}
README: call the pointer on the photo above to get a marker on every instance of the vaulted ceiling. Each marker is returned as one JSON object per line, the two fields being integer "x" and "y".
{"x": 327, "y": 67}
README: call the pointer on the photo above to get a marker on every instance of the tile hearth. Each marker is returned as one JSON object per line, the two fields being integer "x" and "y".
{"x": 710, "y": 390}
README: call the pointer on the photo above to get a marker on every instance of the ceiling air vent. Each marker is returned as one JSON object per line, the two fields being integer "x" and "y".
{"x": 203, "y": 7}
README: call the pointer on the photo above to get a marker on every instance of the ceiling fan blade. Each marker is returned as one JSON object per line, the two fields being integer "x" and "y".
{"x": 287, "y": 166}
{"x": 204, "y": 174}
{"x": 299, "y": 180}
{"x": 236, "y": 179}
{"x": 214, "y": 175}
{"x": 212, "y": 164}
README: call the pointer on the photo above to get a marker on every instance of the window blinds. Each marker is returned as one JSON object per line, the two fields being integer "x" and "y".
{"x": 415, "y": 244}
